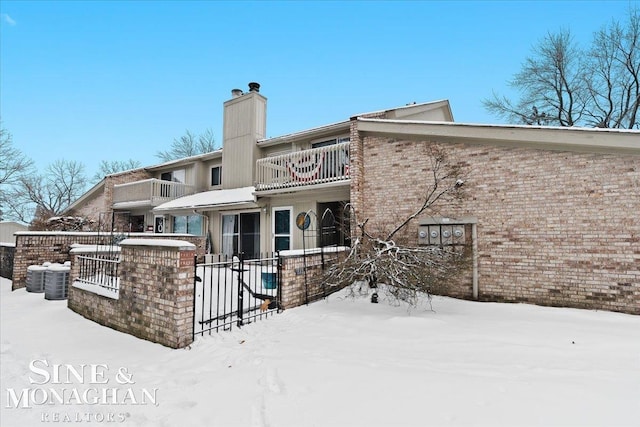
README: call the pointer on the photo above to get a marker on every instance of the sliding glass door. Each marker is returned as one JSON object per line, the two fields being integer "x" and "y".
{"x": 241, "y": 233}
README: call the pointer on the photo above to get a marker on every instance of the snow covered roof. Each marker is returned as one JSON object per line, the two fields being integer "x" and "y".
{"x": 210, "y": 200}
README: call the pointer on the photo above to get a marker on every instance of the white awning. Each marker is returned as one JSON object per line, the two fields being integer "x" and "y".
{"x": 211, "y": 200}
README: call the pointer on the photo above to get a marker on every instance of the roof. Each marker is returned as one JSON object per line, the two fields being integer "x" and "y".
{"x": 597, "y": 140}
{"x": 406, "y": 112}
{"x": 210, "y": 200}
{"x": 414, "y": 110}
{"x": 202, "y": 157}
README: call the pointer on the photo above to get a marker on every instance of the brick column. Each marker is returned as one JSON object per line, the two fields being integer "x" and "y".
{"x": 156, "y": 291}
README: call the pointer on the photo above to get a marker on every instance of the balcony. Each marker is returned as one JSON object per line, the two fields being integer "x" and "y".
{"x": 322, "y": 165}
{"x": 149, "y": 192}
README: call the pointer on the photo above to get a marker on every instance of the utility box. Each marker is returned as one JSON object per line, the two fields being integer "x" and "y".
{"x": 445, "y": 231}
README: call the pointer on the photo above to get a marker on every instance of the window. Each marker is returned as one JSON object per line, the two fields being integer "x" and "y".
{"x": 216, "y": 176}
{"x": 136, "y": 223}
{"x": 281, "y": 228}
{"x": 167, "y": 190}
{"x": 188, "y": 224}
{"x": 330, "y": 142}
{"x": 230, "y": 228}
{"x": 174, "y": 176}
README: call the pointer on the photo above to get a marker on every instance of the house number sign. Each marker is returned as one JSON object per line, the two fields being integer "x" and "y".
{"x": 186, "y": 259}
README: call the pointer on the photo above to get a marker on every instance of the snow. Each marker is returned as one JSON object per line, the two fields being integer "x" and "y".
{"x": 211, "y": 198}
{"x": 110, "y": 290}
{"x": 158, "y": 242}
{"x": 339, "y": 362}
{"x": 314, "y": 251}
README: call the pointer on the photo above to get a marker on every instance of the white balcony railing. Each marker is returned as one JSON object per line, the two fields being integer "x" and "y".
{"x": 306, "y": 167}
{"x": 149, "y": 192}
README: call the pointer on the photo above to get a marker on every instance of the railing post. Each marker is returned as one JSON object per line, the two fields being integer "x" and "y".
{"x": 240, "y": 289}
{"x": 279, "y": 281}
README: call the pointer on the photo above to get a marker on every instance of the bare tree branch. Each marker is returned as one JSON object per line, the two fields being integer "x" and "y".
{"x": 406, "y": 270}
{"x": 189, "y": 145}
{"x": 561, "y": 84}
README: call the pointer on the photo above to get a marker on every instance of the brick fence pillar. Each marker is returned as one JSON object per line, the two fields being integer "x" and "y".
{"x": 156, "y": 291}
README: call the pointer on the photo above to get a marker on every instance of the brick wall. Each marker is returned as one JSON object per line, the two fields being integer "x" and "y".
{"x": 554, "y": 228}
{"x": 101, "y": 203}
{"x": 156, "y": 293}
{"x": 34, "y": 248}
{"x": 298, "y": 289}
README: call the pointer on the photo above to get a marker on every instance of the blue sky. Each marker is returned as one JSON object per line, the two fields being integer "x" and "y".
{"x": 92, "y": 81}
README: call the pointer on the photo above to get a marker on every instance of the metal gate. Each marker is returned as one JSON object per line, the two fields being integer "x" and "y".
{"x": 232, "y": 291}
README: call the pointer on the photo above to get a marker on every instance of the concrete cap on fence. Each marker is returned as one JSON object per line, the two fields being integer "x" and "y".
{"x": 180, "y": 245}
{"x": 92, "y": 249}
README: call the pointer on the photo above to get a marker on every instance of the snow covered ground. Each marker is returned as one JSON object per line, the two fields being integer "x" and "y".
{"x": 341, "y": 362}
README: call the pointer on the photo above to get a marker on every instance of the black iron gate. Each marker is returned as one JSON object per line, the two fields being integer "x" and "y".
{"x": 232, "y": 291}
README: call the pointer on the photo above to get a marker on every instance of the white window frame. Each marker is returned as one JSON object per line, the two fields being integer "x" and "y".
{"x": 273, "y": 225}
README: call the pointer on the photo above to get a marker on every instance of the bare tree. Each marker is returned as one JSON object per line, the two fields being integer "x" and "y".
{"x": 614, "y": 70}
{"x": 13, "y": 166}
{"x": 563, "y": 85}
{"x": 549, "y": 83}
{"x": 42, "y": 196}
{"x": 381, "y": 254}
{"x": 189, "y": 145}
{"x": 110, "y": 167}
{"x": 12, "y": 162}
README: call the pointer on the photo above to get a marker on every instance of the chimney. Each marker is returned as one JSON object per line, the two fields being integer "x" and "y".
{"x": 244, "y": 123}
{"x": 254, "y": 87}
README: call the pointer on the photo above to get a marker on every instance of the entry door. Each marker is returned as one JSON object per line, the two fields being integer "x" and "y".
{"x": 281, "y": 228}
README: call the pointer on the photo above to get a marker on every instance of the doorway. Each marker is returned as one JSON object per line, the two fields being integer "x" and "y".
{"x": 241, "y": 234}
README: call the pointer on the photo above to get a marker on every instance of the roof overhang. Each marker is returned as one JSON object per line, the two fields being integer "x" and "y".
{"x": 187, "y": 160}
{"x": 211, "y": 200}
{"x": 596, "y": 140}
{"x": 318, "y": 132}
{"x": 306, "y": 188}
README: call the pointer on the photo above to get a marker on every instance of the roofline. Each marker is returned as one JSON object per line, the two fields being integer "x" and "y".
{"x": 435, "y": 104}
{"x": 573, "y": 139}
{"x": 204, "y": 156}
{"x": 308, "y": 133}
{"x": 332, "y": 128}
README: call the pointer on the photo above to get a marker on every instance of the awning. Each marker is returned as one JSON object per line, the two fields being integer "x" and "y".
{"x": 211, "y": 200}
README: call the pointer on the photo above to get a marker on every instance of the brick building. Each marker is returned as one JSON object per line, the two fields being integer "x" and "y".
{"x": 552, "y": 213}
{"x": 555, "y": 212}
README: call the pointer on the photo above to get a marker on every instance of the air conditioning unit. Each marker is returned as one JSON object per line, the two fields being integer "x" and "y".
{"x": 35, "y": 278}
{"x": 56, "y": 282}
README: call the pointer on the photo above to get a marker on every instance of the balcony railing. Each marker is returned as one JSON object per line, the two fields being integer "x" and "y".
{"x": 306, "y": 167}
{"x": 149, "y": 192}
